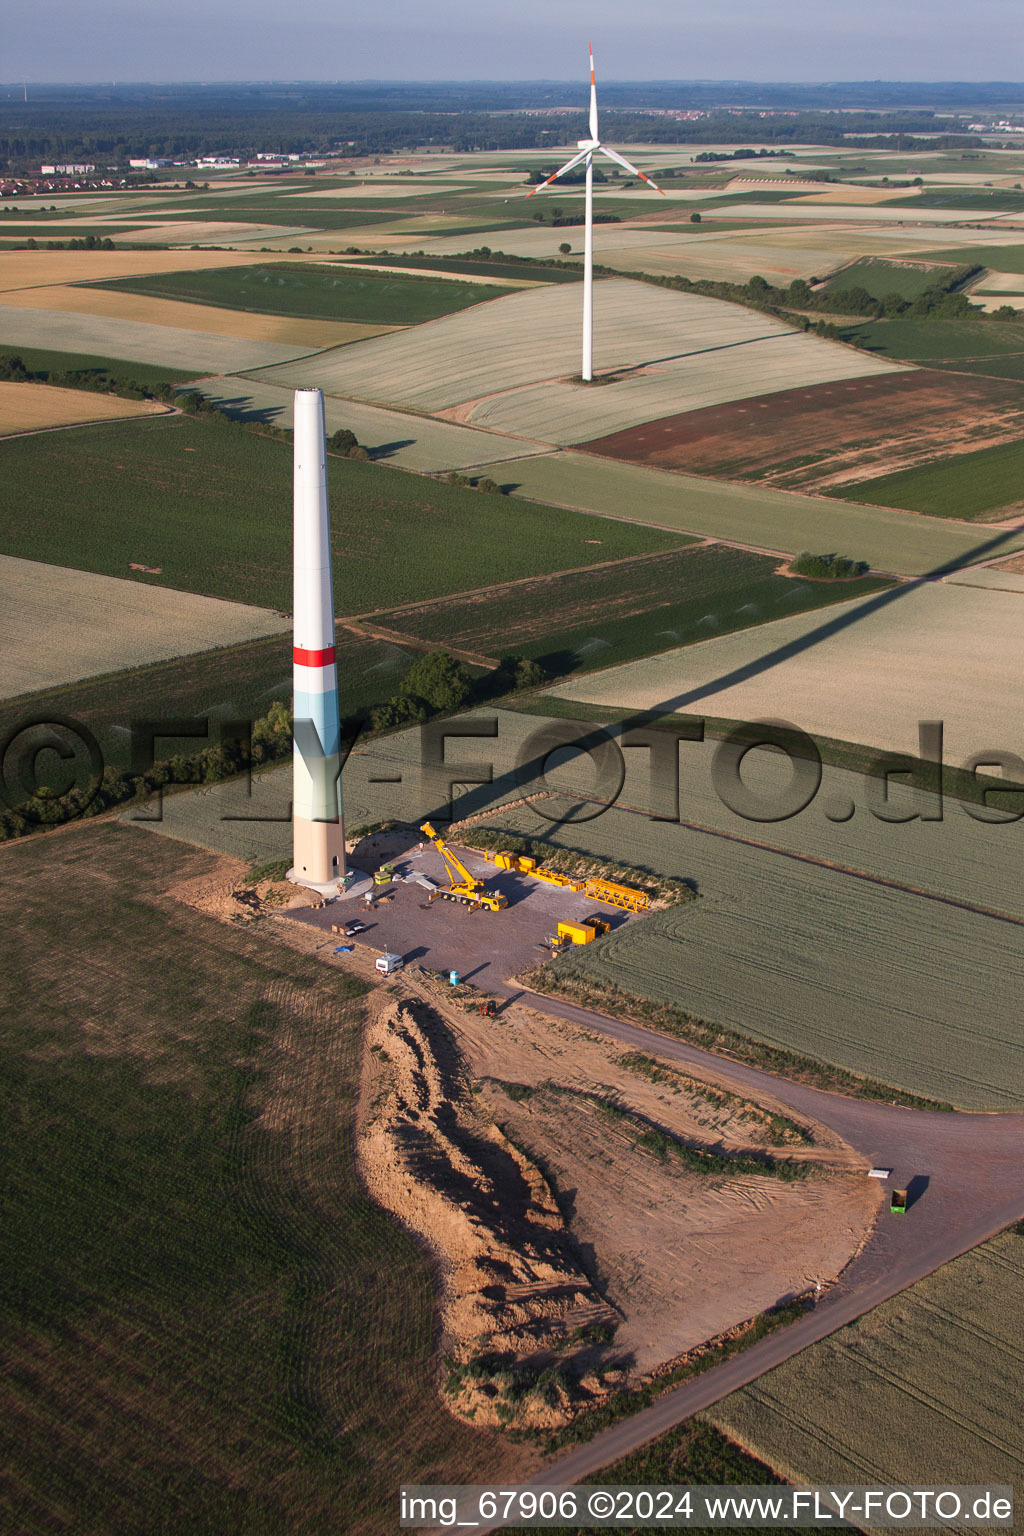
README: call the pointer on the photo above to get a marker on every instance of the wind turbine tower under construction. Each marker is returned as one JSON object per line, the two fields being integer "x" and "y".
{"x": 318, "y": 829}
{"x": 588, "y": 148}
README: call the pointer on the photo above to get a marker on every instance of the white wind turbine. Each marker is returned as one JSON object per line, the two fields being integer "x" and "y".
{"x": 587, "y": 150}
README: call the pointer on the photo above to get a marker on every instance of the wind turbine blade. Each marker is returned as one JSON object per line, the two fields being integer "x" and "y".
{"x": 570, "y": 165}
{"x": 593, "y": 95}
{"x": 620, "y": 160}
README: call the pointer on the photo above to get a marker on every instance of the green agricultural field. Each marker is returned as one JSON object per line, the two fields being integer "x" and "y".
{"x": 595, "y": 618}
{"x": 998, "y": 258}
{"x": 970, "y": 485}
{"x": 750, "y": 514}
{"x": 322, "y": 293}
{"x": 970, "y": 199}
{"x": 994, "y": 347}
{"x": 196, "y": 1335}
{"x": 210, "y": 503}
{"x": 94, "y": 369}
{"x": 880, "y": 278}
{"x": 924, "y": 1390}
{"x": 289, "y": 216}
{"x": 793, "y": 955}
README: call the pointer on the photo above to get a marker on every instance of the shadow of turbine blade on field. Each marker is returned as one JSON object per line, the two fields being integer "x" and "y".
{"x": 845, "y": 619}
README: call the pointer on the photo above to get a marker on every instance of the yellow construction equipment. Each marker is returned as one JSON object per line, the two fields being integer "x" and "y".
{"x": 464, "y": 887}
{"x": 600, "y": 925}
{"x": 576, "y": 933}
{"x": 520, "y": 862}
{"x": 624, "y": 896}
{"x": 551, "y": 877}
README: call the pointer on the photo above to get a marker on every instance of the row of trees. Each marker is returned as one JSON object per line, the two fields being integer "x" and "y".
{"x": 938, "y": 301}
{"x": 435, "y": 684}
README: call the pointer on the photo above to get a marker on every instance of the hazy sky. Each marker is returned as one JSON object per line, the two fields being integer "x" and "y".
{"x": 525, "y": 39}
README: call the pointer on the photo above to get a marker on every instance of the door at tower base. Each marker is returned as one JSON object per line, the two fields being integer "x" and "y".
{"x": 318, "y": 835}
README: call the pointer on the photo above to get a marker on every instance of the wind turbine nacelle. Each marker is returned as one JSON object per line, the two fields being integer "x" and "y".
{"x": 588, "y": 143}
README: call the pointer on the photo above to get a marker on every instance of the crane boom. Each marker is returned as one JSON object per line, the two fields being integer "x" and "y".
{"x": 464, "y": 886}
{"x": 458, "y": 874}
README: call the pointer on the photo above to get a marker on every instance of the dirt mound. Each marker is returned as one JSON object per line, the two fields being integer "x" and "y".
{"x": 522, "y": 1323}
{"x": 227, "y": 893}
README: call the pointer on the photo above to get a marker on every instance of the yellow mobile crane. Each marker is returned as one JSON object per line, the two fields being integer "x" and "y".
{"x": 464, "y": 886}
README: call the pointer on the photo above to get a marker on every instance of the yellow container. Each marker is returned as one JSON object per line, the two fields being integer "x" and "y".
{"x": 579, "y": 933}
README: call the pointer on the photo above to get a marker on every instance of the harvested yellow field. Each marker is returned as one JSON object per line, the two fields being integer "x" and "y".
{"x": 62, "y": 625}
{"x": 195, "y": 317}
{"x": 30, "y": 269}
{"x": 33, "y": 407}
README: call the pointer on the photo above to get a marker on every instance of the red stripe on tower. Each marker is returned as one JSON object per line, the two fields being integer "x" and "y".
{"x": 313, "y": 658}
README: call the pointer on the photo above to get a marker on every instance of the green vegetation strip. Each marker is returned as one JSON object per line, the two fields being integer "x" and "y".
{"x": 209, "y": 502}
{"x": 573, "y": 861}
{"x": 648, "y": 1137}
{"x": 314, "y": 292}
{"x": 552, "y": 980}
{"x": 969, "y": 485}
{"x": 782, "y": 1131}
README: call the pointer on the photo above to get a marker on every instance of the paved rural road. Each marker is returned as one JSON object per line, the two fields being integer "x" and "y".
{"x": 966, "y": 1170}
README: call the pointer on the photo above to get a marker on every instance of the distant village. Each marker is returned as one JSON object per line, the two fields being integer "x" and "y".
{"x": 86, "y": 176}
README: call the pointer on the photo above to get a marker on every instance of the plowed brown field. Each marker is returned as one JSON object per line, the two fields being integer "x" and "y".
{"x": 830, "y": 434}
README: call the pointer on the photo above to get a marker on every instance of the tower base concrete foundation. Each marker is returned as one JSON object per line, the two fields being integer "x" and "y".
{"x": 357, "y": 886}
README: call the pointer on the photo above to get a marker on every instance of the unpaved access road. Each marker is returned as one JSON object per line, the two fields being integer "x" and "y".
{"x": 966, "y": 1178}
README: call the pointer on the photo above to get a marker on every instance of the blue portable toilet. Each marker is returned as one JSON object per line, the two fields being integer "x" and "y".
{"x": 453, "y": 978}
